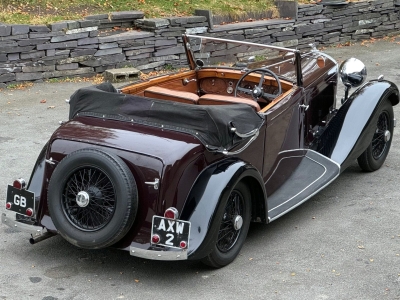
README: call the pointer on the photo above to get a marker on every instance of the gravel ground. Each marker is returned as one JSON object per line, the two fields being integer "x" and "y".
{"x": 344, "y": 243}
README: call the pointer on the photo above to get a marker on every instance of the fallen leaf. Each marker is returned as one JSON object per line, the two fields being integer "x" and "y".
{"x": 293, "y": 274}
{"x": 43, "y": 101}
{"x": 136, "y": 280}
{"x": 52, "y": 106}
{"x": 361, "y": 247}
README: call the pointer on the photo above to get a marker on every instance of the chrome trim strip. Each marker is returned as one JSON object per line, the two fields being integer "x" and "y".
{"x": 243, "y": 43}
{"x": 158, "y": 255}
{"x": 35, "y": 231}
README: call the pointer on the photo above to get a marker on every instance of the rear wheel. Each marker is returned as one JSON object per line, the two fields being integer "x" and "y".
{"x": 374, "y": 156}
{"x": 233, "y": 229}
{"x": 92, "y": 198}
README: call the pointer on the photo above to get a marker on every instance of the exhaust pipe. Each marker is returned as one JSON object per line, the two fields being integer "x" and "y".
{"x": 44, "y": 236}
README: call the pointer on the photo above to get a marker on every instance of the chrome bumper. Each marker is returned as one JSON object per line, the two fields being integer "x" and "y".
{"x": 35, "y": 231}
{"x": 158, "y": 255}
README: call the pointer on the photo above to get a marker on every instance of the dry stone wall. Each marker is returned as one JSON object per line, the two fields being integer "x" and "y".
{"x": 125, "y": 39}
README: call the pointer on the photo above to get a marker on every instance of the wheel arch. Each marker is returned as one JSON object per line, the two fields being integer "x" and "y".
{"x": 350, "y": 131}
{"x": 204, "y": 204}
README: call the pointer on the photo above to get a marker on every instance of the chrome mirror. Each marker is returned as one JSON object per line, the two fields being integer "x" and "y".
{"x": 353, "y": 72}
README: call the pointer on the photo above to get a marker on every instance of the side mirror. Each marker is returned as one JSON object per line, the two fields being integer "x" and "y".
{"x": 352, "y": 72}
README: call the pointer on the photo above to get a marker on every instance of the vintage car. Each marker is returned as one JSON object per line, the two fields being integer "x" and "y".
{"x": 176, "y": 167}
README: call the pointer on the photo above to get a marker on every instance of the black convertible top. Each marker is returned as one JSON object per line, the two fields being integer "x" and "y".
{"x": 210, "y": 124}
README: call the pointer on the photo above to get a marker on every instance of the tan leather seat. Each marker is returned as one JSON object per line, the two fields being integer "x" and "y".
{"x": 161, "y": 93}
{"x": 214, "y": 99}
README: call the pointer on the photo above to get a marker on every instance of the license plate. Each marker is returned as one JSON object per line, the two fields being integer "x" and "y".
{"x": 20, "y": 200}
{"x": 171, "y": 232}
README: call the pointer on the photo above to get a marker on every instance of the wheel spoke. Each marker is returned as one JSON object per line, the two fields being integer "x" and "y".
{"x": 101, "y": 205}
{"x": 228, "y": 235}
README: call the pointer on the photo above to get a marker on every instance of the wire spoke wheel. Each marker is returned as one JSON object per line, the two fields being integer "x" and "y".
{"x": 92, "y": 198}
{"x": 96, "y": 208}
{"x": 379, "y": 141}
{"x": 374, "y": 156}
{"x": 231, "y": 227}
{"x": 228, "y": 234}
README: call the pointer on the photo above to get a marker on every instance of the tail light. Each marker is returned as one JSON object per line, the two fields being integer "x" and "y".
{"x": 29, "y": 212}
{"x": 8, "y": 205}
{"x": 155, "y": 239}
{"x": 171, "y": 213}
{"x": 183, "y": 244}
{"x": 19, "y": 184}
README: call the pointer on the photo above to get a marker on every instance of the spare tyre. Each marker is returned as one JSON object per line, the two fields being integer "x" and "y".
{"x": 92, "y": 198}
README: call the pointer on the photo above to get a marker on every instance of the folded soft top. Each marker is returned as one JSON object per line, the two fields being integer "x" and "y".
{"x": 211, "y": 124}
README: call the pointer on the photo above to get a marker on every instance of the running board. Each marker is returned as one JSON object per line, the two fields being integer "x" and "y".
{"x": 313, "y": 173}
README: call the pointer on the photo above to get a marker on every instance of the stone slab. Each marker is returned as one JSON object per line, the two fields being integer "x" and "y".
{"x": 130, "y": 35}
{"x": 39, "y": 28}
{"x": 132, "y": 14}
{"x": 108, "y": 51}
{"x": 33, "y": 69}
{"x": 69, "y": 37}
{"x": 19, "y": 29}
{"x": 30, "y": 42}
{"x": 72, "y": 66}
{"x": 5, "y": 30}
{"x": 28, "y": 76}
{"x": 65, "y": 73}
{"x": 69, "y": 44}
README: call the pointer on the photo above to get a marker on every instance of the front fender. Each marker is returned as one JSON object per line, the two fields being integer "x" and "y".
{"x": 350, "y": 132}
{"x": 204, "y": 205}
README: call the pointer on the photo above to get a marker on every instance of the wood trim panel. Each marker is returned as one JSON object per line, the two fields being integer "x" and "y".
{"x": 173, "y": 81}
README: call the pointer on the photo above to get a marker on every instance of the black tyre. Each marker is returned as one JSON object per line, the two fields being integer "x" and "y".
{"x": 92, "y": 198}
{"x": 374, "y": 156}
{"x": 233, "y": 229}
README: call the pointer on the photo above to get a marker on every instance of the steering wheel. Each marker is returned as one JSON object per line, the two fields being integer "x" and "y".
{"x": 257, "y": 91}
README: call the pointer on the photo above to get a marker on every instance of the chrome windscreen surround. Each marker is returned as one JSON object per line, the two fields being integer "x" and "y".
{"x": 158, "y": 255}
{"x": 35, "y": 231}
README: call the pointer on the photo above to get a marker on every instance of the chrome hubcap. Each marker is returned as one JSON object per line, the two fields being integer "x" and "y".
{"x": 238, "y": 222}
{"x": 387, "y": 136}
{"x": 82, "y": 199}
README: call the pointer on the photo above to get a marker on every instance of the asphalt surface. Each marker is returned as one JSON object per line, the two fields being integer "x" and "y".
{"x": 344, "y": 243}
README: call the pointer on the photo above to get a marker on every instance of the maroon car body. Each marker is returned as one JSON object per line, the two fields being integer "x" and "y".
{"x": 144, "y": 170}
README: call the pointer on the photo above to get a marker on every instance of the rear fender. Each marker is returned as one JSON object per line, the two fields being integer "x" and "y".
{"x": 204, "y": 205}
{"x": 350, "y": 132}
{"x": 36, "y": 182}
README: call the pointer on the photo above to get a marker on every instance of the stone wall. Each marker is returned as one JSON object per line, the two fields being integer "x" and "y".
{"x": 124, "y": 39}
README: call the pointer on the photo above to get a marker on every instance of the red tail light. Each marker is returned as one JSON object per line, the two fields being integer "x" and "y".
{"x": 29, "y": 212}
{"x": 183, "y": 244}
{"x": 155, "y": 239}
{"x": 19, "y": 183}
{"x": 8, "y": 205}
{"x": 171, "y": 213}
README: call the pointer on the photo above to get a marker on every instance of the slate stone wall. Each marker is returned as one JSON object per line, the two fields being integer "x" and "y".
{"x": 124, "y": 39}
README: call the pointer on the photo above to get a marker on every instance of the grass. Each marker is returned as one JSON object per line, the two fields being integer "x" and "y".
{"x": 48, "y": 11}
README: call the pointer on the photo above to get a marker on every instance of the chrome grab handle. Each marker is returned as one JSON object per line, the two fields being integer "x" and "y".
{"x": 154, "y": 183}
{"x": 254, "y": 133}
{"x": 304, "y": 106}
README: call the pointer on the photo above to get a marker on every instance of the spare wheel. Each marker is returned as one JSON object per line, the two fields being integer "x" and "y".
{"x": 92, "y": 198}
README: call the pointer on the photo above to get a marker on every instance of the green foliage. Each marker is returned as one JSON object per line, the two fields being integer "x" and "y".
{"x": 47, "y": 11}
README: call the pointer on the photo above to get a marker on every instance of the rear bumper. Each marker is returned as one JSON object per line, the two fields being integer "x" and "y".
{"x": 158, "y": 255}
{"x": 35, "y": 231}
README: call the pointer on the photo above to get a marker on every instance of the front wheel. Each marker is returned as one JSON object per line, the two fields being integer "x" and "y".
{"x": 374, "y": 156}
{"x": 233, "y": 229}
